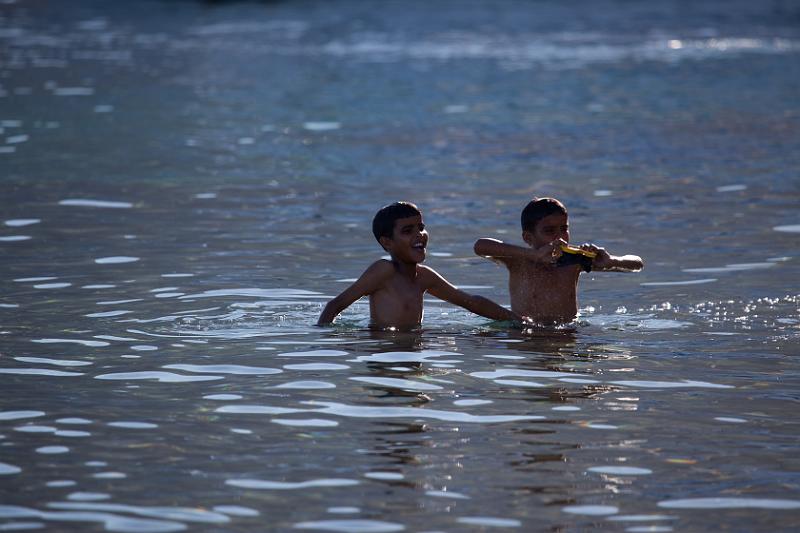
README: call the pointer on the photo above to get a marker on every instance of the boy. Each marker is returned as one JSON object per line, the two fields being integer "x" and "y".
{"x": 542, "y": 279}
{"x": 396, "y": 287}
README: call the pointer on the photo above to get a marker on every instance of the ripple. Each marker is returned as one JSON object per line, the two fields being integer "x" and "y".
{"x": 35, "y": 429}
{"x": 257, "y": 293}
{"x": 733, "y": 267}
{"x": 186, "y": 514}
{"x": 470, "y": 403}
{"x": 578, "y": 380}
{"x": 591, "y": 510}
{"x": 235, "y": 510}
{"x": 88, "y": 496}
{"x": 15, "y": 238}
{"x": 19, "y": 222}
{"x": 17, "y": 415}
{"x": 730, "y": 419}
{"x": 73, "y": 421}
{"x": 91, "y": 344}
{"x": 671, "y": 384}
{"x": 343, "y": 510}
{"x": 57, "y": 362}
{"x": 404, "y": 384}
{"x": 286, "y": 485}
{"x": 60, "y": 285}
{"x": 314, "y": 353}
{"x": 81, "y": 202}
{"x": 7, "y": 469}
{"x": 791, "y": 228}
{"x": 259, "y": 410}
{"x": 115, "y": 338}
{"x": 316, "y": 366}
{"x": 640, "y": 518}
{"x": 61, "y": 483}
{"x": 144, "y": 347}
{"x": 116, "y": 259}
{"x": 309, "y": 385}
{"x": 361, "y": 411}
{"x": 447, "y": 494}
{"x": 52, "y": 450}
{"x": 424, "y": 356}
{"x": 72, "y": 433}
{"x": 108, "y": 314}
{"x": 489, "y": 521}
{"x": 519, "y": 383}
{"x": 517, "y": 372}
{"x": 385, "y": 476}
{"x": 676, "y": 283}
{"x": 226, "y": 369}
{"x": 732, "y": 188}
{"x": 162, "y": 377}
{"x": 351, "y": 526}
{"x": 321, "y": 126}
{"x": 133, "y": 425}
{"x": 730, "y": 503}
{"x": 111, "y": 522}
{"x": 109, "y": 475}
{"x": 621, "y": 470}
{"x": 223, "y": 397}
{"x": 39, "y": 372}
{"x": 305, "y": 422}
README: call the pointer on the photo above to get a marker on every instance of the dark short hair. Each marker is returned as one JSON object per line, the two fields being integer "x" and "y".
{"x": 383, "y": 223}
{"x": 537, "y": 209}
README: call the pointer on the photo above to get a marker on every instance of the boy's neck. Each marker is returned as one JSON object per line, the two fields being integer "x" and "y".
{"x": 405, "y": 269}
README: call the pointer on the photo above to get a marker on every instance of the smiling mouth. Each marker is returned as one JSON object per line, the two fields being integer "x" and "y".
{"x": 420, "y": 247}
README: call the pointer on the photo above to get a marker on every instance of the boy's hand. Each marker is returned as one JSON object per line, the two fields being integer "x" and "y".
{"x": 548, "y": 253}
{"x": 602, "y": 259}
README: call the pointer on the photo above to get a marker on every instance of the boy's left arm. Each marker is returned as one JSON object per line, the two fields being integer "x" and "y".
{"x": 444, "y": 290}
{"x": 612, "y": 263}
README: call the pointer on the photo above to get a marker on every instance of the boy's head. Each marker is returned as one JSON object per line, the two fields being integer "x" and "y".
{"x": 400, "y": 238}
{"x": 544, "y": 220}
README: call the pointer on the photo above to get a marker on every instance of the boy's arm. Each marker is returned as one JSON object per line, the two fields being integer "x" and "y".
{"x": 506, "y": 253}
{"x": 442, "y": 289}
{"x": 370, "y": 281}
{"x": 612, "y": 263}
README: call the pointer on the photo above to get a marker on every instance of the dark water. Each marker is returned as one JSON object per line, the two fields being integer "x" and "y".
{"x": 184, "y": 184}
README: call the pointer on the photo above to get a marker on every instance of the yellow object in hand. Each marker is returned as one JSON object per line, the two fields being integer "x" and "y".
{"x": 567, "y": 249}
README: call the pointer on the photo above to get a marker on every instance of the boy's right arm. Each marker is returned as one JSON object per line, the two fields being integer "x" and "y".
{"x": 370, "y": 281}
{"x": 506, "y": 253}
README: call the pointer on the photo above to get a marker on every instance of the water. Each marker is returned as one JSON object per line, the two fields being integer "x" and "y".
{"x": 185, "y": 185}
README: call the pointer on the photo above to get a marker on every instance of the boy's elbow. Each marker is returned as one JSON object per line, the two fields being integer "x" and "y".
{"x": 481, "y": 247}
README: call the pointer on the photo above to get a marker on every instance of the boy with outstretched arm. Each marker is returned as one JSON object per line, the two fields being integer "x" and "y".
{"x": 396, "y": 287}
{"x": 543, "y": 276}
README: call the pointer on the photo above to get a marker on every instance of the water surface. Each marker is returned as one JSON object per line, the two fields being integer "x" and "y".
{"x": 186, "y": 184}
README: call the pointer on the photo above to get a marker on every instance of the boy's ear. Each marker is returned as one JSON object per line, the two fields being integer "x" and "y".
{"x": 384, "y": 242}
{"x": 527, "y": 237}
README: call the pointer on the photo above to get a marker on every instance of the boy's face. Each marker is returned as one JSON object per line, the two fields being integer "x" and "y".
{"x": 409, "y": 240}
{"x": 547, "y": 230}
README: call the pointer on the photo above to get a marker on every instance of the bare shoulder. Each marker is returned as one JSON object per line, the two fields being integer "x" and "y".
{"x": 428, "y": 276}
{"x": 380, "y": 269}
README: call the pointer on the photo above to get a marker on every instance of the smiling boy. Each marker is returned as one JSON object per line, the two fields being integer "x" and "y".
{"x": 542, "y": 278}
{"x": 396, "y": 287}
